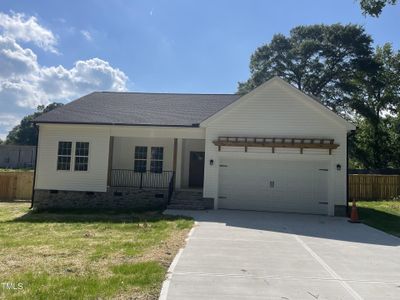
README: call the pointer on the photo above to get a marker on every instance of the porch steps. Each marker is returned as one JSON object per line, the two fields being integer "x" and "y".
{"x": 190, "y": 200}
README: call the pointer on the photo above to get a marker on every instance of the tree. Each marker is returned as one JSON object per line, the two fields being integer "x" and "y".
{"x": 315, "y": 59}
{"x": 376, "y": 148}
{"x": 25, "y": 133}
{"x": 394, "y": 135}
{"x": 370, "y": 148}
{"x": 374, "y": 95}
{"x": 374, "y": 7}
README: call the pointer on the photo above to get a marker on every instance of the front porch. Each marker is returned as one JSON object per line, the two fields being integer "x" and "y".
{"x": 168, "y": 166}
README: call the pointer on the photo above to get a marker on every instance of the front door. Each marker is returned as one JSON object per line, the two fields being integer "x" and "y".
{"x": 196, "y": 169}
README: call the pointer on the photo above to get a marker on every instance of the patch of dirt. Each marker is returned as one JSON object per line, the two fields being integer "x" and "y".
{"x": 166, "y": 251}
{"x": 135, "y": 294}
{"x": 45, "y": 257}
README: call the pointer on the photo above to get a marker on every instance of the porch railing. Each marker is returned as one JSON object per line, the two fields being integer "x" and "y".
{"x": 130, "y": 178}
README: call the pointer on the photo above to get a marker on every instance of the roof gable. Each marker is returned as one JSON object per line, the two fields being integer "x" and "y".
{"x": 310, "y": 102}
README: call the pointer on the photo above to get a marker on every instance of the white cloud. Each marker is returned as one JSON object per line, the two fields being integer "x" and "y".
{"x": 14, "y": 60}
{"x": 29, "y": 85}
{"x": 85, "y": 77}
{"x": 27, "y": 29}
{"x": 96, "y": 72}
{"x": 25, "y": 84}
{"x": 86, "y": 34}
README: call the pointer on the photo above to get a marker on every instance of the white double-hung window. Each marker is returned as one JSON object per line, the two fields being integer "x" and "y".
{"x": 73, "y": 154}
{"x": 142, "y": 162}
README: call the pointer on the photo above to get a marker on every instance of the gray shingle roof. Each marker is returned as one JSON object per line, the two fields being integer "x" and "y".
{"x": 157, "y": 109}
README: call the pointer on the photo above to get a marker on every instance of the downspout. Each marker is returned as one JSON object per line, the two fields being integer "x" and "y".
{"x": 34, "y": 170}
{"x": 352, "y": 132}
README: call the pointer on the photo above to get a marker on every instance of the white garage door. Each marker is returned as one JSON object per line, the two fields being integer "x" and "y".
{"x": 285, "y": 186}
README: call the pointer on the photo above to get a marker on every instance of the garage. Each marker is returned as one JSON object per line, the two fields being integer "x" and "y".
{"x": 277, "y": 149}
{"x": 274, "y": 185}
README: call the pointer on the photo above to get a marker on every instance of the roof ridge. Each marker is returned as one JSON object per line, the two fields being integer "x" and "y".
{"x": 167, "y": 93}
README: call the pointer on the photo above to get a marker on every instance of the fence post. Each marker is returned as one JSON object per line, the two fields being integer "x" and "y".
{"x": 141, "y": 180}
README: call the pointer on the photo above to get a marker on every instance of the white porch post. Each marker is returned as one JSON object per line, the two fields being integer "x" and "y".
{"x": 178, "y": 171}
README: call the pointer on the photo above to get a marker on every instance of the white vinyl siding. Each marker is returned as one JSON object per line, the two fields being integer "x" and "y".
{"x": 47, "y": 175}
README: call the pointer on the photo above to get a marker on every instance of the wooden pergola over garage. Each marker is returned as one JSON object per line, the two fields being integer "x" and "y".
{"x": 276, "y": 142}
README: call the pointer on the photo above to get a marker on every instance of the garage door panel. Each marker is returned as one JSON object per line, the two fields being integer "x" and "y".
{"x": 292, "y": 186}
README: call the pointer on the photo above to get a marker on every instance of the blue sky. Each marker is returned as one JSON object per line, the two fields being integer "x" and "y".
{"x": 161, "y": 46}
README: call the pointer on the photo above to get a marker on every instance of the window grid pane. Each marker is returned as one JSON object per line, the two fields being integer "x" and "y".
{"x": 82, "y": 149}
{"x": 140, "y": 152}
{"x": 140, "y": 165}
{"x": 81, "y": 163}
{"x": 157, "y": 153}
{"x": 64, "y": 156}
{"x": 156, "y": 166}
{"x": 64, "y": 148}
{"x": 63, "y": 163}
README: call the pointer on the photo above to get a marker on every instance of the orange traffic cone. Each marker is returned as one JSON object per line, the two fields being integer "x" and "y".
{"x": 354, "y": 213}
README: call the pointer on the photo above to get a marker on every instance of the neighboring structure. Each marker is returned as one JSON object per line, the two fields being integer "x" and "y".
{"x": 273, "y": 149}
{"x": 17, "y": 156}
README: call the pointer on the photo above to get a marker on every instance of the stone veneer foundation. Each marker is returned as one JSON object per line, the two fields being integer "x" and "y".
{"x": 112, "y": 199}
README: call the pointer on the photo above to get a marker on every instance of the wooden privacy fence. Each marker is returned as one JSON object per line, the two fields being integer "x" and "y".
{"x": 373, "y": 187}
{"x": 16, "y": 185}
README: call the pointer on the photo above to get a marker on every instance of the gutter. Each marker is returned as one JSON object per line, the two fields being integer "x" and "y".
{"x": 34, "y": 170}
{"x": 351, "y": 133}
{"x": 118, "y": 124}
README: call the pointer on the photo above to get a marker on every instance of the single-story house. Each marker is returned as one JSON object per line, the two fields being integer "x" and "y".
{"x": 273, "y": 149}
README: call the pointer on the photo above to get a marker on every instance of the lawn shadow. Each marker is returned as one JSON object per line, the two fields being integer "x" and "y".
{"x": 86, "y": 216}
{"x": 387, "y": 222}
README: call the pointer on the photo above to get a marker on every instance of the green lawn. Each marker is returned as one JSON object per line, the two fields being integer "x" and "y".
{"x": 85, "y": 256}
{"x": 383, "y": 215}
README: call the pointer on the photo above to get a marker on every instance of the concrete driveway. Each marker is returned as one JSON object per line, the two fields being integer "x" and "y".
{"x": 255, "y": 255}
